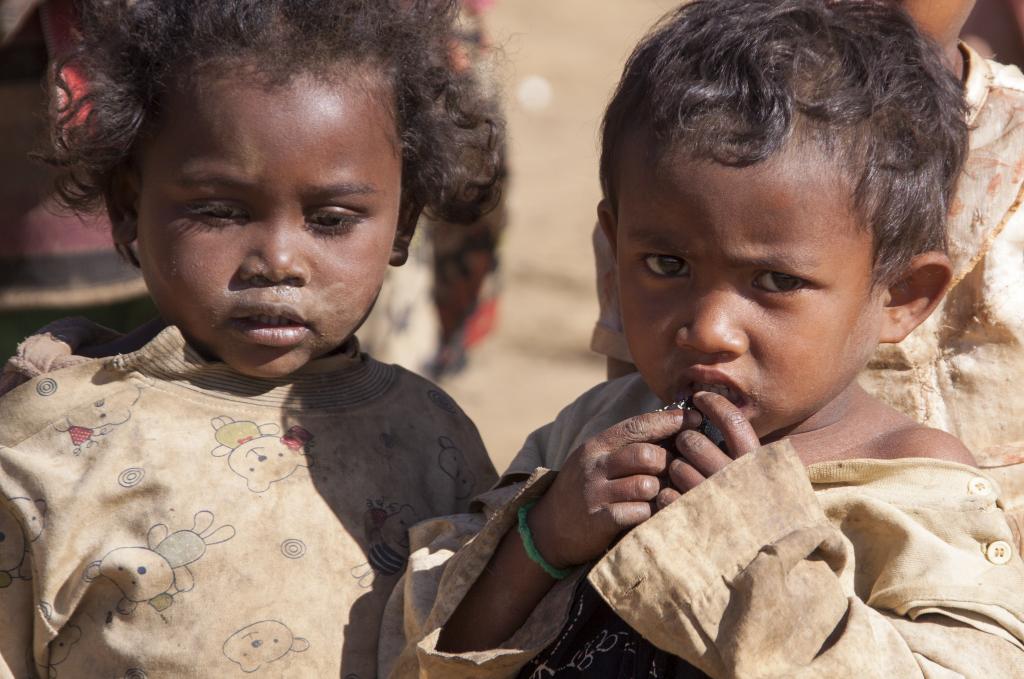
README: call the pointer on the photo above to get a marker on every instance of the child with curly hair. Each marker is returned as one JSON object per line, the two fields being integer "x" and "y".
{"x": 777, "y": 176}
{"x": 228, "y": 488}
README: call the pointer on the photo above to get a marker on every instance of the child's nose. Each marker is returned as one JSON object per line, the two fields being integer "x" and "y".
{"x": 275, "y": 258}
{"x": 713, "y": 329}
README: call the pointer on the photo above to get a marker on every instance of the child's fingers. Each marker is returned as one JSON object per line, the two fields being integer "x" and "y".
{"x": 629, "y": 514}
{"x": 666, "y": 497}
{"x": 684, "y": 476}
{"x": 739, "y": 435}
{"x": 646, "y": 428}
{"x": 639, "y": 488}
{"x": 635, "y": 458}
{"x": 701, "y": 452}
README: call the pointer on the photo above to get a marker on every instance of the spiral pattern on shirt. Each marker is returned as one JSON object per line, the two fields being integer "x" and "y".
{"x": 293, "y": 549}
{"x": 131, "y": 477}
{"x": 46, "y": 387}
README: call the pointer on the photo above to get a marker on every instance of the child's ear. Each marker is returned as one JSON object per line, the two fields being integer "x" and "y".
{"x": 911, "y": 299}
{"x": 122, "y": 199}
{"x": 408, "y": 217}
{"x": 609, "y": 223}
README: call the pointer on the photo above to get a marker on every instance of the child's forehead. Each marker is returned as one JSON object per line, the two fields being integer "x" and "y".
{"x": 800, "y": 173}
{"x": 794, "y": 197}
{"x": 217, "y": 104}
{"x": 212, "y": 78}
{"x": 305, "y": 138}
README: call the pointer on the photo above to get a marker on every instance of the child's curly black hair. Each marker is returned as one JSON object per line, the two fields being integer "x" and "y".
{"x": 132, "y": 50}
{"x": 735, "y": 81}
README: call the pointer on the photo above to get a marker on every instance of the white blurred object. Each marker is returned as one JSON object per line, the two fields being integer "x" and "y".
{"x": 534, "y": 93}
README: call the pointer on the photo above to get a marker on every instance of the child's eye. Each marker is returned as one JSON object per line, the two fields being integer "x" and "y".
{"x": 666, "y": 265}
{"x": 333, "y": 222}
{"x": 217, "y": 211}
{"x": 773, "y": 281}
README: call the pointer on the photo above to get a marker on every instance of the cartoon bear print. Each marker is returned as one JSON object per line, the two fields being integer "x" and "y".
{"x": 87, "y": 424}
{"x": 22, "y": 521}
{"x": 156, "y": 573}
{"x": 453, "y": 464}
{"x": 60, "y": 648}
{"x": 387, "y": 530}
{"x": 261, "y": 643}
{"x": 258, "y": 454}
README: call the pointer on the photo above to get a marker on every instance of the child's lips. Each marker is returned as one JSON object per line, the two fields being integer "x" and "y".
{"x": 271, "y": 330}
{"x": 733, "y": 394}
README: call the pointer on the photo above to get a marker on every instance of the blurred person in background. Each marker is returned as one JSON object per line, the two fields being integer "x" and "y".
{"x": 52, "y": 264}
{"x": 444, "y": 300}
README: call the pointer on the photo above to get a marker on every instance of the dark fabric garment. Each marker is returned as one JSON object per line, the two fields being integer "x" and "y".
{"x": 596, "y": 642}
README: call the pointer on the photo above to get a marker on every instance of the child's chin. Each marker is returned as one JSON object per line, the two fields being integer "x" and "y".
{"x": 274, "y": 368}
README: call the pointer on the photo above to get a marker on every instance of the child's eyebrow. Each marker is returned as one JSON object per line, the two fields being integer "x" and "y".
{"x": 782, "y": 260}
{"x": 790, "y": 259}
{"x": 653, "y": 238}
{"x": 346, "y": 189}
{"x": 201, "y": 179}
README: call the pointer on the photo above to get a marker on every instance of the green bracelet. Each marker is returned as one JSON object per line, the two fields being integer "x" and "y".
{"x": 531, "y": 548}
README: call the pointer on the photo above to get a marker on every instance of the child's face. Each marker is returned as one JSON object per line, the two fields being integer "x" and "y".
{"x": 266, "y": 216}
{"x": 754, "y": 282}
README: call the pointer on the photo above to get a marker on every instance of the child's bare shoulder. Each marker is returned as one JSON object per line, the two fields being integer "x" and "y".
{"x": 916, "y": 440}
{"x": 894, "y": 436}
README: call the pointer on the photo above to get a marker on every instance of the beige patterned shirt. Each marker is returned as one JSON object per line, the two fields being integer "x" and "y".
{"x": 164, "y": 516}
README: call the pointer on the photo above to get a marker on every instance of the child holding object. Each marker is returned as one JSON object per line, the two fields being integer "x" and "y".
{"x": 958, "y": 371}
{"x": 228, "y": 489}
{"x": 777, "y": 176}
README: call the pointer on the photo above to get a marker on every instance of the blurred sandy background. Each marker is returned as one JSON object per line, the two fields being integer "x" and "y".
{"x": 538, "y": 359}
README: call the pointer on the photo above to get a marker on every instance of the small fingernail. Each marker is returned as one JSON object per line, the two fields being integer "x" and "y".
{"x": 693, "y": 418}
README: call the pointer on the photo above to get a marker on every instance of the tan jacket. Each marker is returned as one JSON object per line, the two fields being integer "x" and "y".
{"x": 961, "y": 371}
{"x": 162, "y": 516}
{"x": 861, "y": 568}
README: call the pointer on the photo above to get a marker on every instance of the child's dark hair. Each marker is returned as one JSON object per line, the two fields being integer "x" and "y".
{"x": 735, "y": 81}
{"x": 132, "y": 50}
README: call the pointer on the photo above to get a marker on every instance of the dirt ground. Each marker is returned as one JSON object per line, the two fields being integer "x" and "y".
{"x": 538, "y": 359}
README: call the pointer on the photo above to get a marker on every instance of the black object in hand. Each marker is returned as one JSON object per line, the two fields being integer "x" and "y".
{"x": 706, "y": 428}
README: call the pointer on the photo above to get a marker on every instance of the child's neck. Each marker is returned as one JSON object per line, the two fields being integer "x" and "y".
{"x": 854, "y": 425}
{"x": 955, "y": 60}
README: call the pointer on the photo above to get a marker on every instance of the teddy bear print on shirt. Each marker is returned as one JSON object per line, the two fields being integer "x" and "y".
{"x": 453, "y": 463}
{"x": 387, "y": 530}
{"x": 258, "y": 454}
{"x": 157, "y": 573}
{"x": 21, "y": 522}
{"x": 59, "y": 649}
{"x": 262, "y": 642}
{"x": 86, "y": 425}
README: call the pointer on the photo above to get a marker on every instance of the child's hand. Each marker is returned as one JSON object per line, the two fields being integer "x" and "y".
{"x": 699, "y": 458}
{"x": 606, "y": 486}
